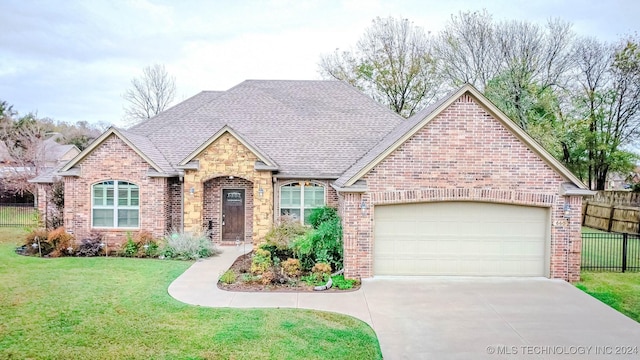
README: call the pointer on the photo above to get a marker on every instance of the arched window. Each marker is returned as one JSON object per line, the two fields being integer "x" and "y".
{"x": 115, "y": 204}
{"x": 298, "y": 199}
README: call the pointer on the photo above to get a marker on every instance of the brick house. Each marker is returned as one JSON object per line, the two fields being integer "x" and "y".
{"x": 458, "y": 189}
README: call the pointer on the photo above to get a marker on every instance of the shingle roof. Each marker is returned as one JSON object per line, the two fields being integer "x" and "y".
{"x": 309, "y": 128}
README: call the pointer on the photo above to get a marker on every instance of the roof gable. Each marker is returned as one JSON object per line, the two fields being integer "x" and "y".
{"x": 135, "y": 145}
{"x": 261, "y": 155}
{"x": 406, "y": 130}
{"x": 309, "y": 128}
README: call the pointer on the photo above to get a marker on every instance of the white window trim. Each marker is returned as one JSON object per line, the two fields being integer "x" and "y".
{"x": 115, "y": 207}
{"x": 302, "y": 208}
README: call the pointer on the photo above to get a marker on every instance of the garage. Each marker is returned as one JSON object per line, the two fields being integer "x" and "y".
{"x": 460, "y": 238}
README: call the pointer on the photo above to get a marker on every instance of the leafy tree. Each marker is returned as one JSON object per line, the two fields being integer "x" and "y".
{"x": 150, "y": 94}
{"x": 392, "y": 63}
{"x": 608, "y": 104}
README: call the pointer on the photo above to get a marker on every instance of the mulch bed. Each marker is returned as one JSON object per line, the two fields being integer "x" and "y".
{"x": 242, "y": 265}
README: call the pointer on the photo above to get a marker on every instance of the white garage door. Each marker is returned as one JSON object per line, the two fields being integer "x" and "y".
{"x": 460, "y": 238}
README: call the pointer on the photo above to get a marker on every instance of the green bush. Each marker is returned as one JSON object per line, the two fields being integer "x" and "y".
{"x": 261, "y": 261}
{"x": 280, "y": 238}
{"x": 229, "y": 277}
{"x": 130, "y": 248}
{"x": 343, "y": 284}
{"x": 320, "y": 215}
{"x": 323, "y": 243}
{"x": 188, "y": 246}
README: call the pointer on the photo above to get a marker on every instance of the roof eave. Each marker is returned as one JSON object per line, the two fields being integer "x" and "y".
{"x": 97, "y": 142}
{"x": 569, "y": 189}
{"x": 483, "y": 101}
{"x": 191, "y": 165}
{"x": 227, "y": 129}
{"x": 260, "y": 166}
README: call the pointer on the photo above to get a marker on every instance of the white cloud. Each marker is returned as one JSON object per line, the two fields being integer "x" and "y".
{"x": 73, "y": 60}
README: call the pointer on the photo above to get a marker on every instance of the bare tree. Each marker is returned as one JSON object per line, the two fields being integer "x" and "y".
{"x": 466, "y": 50}
{"x": 150, "y": 94}
{"x": 24, "y": 140}
{"x": 392, "y": 63}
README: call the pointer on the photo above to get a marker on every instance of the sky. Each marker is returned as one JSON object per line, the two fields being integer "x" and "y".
{"x": 73, "y": 60}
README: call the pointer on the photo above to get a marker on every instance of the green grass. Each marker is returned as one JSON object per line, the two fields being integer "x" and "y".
{"x": 621, "y": 291}
{"x": 112, "y": 308}
{"x": 600, "y": 251}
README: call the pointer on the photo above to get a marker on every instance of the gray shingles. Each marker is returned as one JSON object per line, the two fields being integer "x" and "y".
{"x": 307, "y": 127}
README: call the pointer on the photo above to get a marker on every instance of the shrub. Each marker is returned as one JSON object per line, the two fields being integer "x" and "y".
{"x": 36, "y": 242}
{"x": 321, "y": 271}
{"x": 92, "y": 245}
{"x": 229, "y": 277}
{"x": 323, "y": 243}
{"x": 260, "y": 261}
{"x": 320, "y": 215}
{"x": 146, "y": 244}
{"x": 130, "y": 248}
{"x": 188, "y": 246}
{"x": 343, "y": 284}
{"x": 55, "y": 218}
{"x": 62, "y": 242}
{"x": 291, "y": 267}
{"x": 267, "y": 277}
{"x": 280, "y": 238}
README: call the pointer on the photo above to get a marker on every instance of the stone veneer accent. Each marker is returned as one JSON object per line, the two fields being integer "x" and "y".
{"x": 115, "y": 160}
{"x": 225, "y": 157}
{"x": 464, "y": 154}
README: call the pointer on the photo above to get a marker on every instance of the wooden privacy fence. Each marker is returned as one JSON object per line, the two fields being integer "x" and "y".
{"x": 611, "y": 218}
{"x": 624, "y": 198}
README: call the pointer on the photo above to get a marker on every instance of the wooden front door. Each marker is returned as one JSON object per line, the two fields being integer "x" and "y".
{"x": 233, "y": 215}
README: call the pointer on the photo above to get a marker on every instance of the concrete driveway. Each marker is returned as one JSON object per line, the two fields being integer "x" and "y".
{"x": 449, "y": 318}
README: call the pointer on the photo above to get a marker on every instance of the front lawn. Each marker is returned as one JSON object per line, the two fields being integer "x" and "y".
{"x": 111, "y": 308}
{"x": 621, "y": 291}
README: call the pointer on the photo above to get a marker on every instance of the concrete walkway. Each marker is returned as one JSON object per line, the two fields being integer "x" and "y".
{"x": 198, "y": 286}
{"x": 450, "y": 317}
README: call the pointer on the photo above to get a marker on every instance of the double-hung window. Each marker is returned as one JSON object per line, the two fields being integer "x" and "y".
{"x": 115, "y": 204}
{"x": 298, "y": 199}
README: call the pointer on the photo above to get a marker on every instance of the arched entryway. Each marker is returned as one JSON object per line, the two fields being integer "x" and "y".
{"x": 228, "y": 209}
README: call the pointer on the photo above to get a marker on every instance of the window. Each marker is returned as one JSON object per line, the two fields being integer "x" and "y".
{"x": 115, "y": 204}
{"x": 300, "y": 198}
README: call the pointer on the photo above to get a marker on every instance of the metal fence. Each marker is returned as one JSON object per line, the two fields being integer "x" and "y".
{"x": 610, "y": 252}
{"x": 16, "y": 215}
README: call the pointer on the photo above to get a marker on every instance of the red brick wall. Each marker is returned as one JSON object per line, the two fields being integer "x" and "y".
{"x": 462, "y": 154}
{"x": 114, "y": 160}
{"x": 173, "y": 204}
